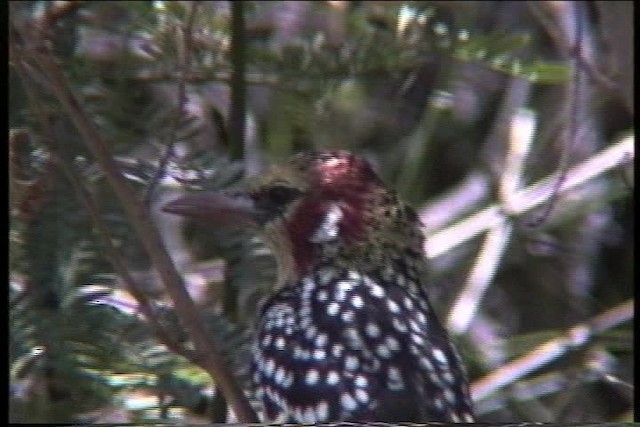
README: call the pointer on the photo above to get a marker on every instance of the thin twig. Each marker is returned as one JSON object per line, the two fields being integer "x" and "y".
{"x": 574, "y": 110}
{"x": 205, "y": 353}
{"x": 519, "y": 125}
{"x": 552, "y": 29}
{"x": 576, "y": 337}
{"x": 529, "y": 198}
{"x": 119, "y": 266}
{"x": 238, "y": 113}
{"x": 185, "y": 65}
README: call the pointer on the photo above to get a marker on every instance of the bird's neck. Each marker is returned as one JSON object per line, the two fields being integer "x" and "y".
{"x": 397, "y": 265}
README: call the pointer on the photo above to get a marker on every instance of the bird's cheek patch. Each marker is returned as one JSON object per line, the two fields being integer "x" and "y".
{"x": 329, "y": 228}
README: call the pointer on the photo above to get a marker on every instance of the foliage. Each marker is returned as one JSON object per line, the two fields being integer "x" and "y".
{"x": 425, "y": 90}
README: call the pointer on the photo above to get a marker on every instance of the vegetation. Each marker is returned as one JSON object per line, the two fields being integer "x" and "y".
{"x": 508, "y": 125}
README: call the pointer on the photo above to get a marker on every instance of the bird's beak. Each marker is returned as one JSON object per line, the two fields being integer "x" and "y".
{"x": 215, "y": 208}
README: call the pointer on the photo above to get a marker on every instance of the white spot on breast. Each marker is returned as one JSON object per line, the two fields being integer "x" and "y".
{"x": 319, "y": 354}
{"x": 280, "y": 343}
{"x": 348, "y": 316}
{"x": 448, "y": 394}
{"x": 361, "y": 381}
{"x": 438, "y": 403}
{"x": 259, "y": 359}
{"x": 448, "y": 377}
{"x": 266, "y": 340}
{"x": 312, "y": 377}
{"x": 297, "y": 412}
{"x": 394, "y": 379}
{"x": 300, "y": 353}
{"x": 393, "y": 373}
{"x": 399, "y": 325}
{"x": 383, "y": 351}
{"x": 348, "y": 402}
{"x": 422, "y": 318}
{"x": 426, "y": 364}
{"x": 309, "y": 415}
{"x": 408, "y": 303}
{"x": 333, "y": 309}
{"x": 392, "y": 343}
{"x": 332, "y": 378}
{"x": 337, "y": 349}
{"x": 345, "y": 286}
{"x": 259, "y": 393}
{"x": 357, "y": 301}
{"x": 417, "y": 339}
{"x": 393, "y": 306}
{"x": 321, "y": 340}
{"x": 311, "y": 332}
{"x": 322, "y": 410}
{"x": 439, "y": 356}
{"x": 288, "y": 380}
{"x": 354, "y": 275}
{"x": 401, "y": 279}
{"x": 297, "y": 352}
{"x": 372, "y": 330}
{"x": 351, "y": 363}
{"x": 376, "y": 290}
{"x": 340, "y": 295}
{"x": 362, "y": 395}
{"x": 322, "y": 295}
{"x": 269, "y": 367}
{"x": 308, "y": 284}
{"x": 435, "y": 378}
{"x": 279, "y": 376}
{"x": 305, "y": 311}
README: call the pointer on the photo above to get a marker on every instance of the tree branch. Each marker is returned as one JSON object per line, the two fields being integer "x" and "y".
{"x": 36, "y": 51}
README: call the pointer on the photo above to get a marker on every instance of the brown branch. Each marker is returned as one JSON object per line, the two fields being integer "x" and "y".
{"x": 113, "y": 254}
{"x": 543, "y": 12}
{"x": 38, "y": 53}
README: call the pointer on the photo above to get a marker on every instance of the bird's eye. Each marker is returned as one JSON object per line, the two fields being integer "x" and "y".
{"x": 281, "y": 195}
{"x": 272, "y": 201}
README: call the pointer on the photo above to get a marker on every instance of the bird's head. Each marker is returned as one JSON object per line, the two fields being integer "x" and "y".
{"x": 313, "y": 207}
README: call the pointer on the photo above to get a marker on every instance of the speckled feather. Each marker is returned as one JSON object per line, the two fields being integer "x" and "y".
{"x": 349, "y": 334}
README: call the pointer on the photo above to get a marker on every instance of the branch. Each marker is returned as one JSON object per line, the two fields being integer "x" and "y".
{"x": 119, "y": 266}
{"x": 618, "y": 154}
{"x": 496, "y": 219}
{"x": 576, "y": 337}
{"x": 185, "y": 64}
{"x": 38, "y": 53}
{"x": 237, "y": 116}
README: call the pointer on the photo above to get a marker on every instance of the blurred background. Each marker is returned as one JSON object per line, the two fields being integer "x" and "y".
{"x": 507, "y": 125}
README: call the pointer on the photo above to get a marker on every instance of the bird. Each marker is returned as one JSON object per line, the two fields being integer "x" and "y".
{"x": 348, "y": 332}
